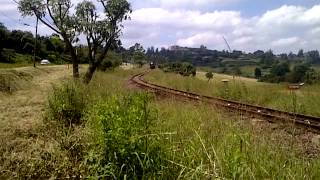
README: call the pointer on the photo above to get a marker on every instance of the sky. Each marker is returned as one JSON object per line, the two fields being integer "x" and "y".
{"x": 248, "y": 25}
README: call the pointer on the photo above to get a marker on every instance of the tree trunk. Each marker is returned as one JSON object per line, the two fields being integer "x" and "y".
{"x": 94, "y": 64}
{"x": 74, "y": 58}
{"x": 89, "y": 74}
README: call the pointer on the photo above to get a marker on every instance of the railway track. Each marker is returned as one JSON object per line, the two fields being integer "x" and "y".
{"x": 268, "y": 114}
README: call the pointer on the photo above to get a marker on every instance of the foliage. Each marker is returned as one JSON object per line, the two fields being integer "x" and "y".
{"x": 209, "y": 75}
{"x": 67, "y": 104}
{"x": 267, "y": 58}
{"x": 313, "y": 56}
{"x": 137, "y": 53}
{"x": 257, "y": 73}
{"x": 18, "y": 47}
{"x": 298, "y": 73}
{"x": 8, "y": 56}
{"x": 112, "y": 61}
{"x": 125, "y": 147}
{"x": 102, "y": 33}
{"x": 278, "y": 73}
{"x": 184, "y": 69}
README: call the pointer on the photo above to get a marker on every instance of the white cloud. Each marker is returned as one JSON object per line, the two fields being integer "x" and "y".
{"x": 189, "y": 23}
{"x": 285, "y": 42}
{"x": 287, "y": 28}
{"x": 199, "y": 39}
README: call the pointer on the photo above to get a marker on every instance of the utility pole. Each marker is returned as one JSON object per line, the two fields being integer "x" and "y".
{"x": 35, "y": 44}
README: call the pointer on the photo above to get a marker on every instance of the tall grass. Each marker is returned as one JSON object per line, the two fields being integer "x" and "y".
{"x": 264, "y": 94}
{"x": 201, "y": 144}
{"x": 122, "y": 144}
{"x": 129, "y": 135}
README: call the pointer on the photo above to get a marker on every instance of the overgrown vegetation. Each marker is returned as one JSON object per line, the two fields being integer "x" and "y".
{"x": 184, "y": 69}
{"x": 123, "y": 145}
{"x": 264, "y": 94}
{"x": 128, "y": 135}
{"x": 67, "y": 104}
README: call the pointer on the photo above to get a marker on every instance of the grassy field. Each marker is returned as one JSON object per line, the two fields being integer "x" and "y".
{"x": 125, "y": 134}
{"x": 248, "y": 90}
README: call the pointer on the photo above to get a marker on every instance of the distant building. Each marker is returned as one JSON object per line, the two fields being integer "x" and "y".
{"x": 178, "y": 48}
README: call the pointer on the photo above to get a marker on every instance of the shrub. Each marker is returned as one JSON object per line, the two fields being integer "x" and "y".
{"x": 8, "y": 56}
{"x": 184, "y": 69}
{"x": 109, "y": 64}
{"x": 66, "y": 105}
{"x": 122, "y": 134}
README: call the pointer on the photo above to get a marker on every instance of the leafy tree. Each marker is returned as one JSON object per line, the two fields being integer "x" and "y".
{"x": 61, "y": 22}
{"x": 284, "y": 56}
{"x": 313, "y": 56}
{"x": 138, "y": 53}
{"x": 257, "y": 73}
{"x": 291, "y": 56}
{"x": 101, "y": 32}
{"x": 300, "y": 53}
{"x": 280, "y": 69}
{"x": 312, "y": 76}
{"x": 298, "y": 73}
{"x": 267, "y": 58}
{"x": 209, "y": 75}
{"x": 3, "y": 38}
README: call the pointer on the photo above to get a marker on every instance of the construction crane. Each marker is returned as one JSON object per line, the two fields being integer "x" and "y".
{"x": 225, "y": 40}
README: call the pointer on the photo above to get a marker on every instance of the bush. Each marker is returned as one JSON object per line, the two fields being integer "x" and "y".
{"x": 109, "y": 64}
{"x": 184, "y": 69}
{"x": 8, "y": 56}
{"x": 66, "y": 105}
{"x": 122, "y": 136}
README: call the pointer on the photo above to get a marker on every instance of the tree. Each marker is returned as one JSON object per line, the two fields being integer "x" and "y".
{"x": 138, "y": 53}
{"x": 257, "y": 73}
{"x": 101, "y": 32}
{"x": 300, "y": 53}
{"x": 284, "y": 56}
{"x": 209, "y": 75}
{"x": 280, "y": 69}
{"x": 3, "y": 37}
{"x": 313, "y": 56}
{"x": 62, "y": 22}
{"x": 267, "y": 58}
{"x": 298, "y": 73}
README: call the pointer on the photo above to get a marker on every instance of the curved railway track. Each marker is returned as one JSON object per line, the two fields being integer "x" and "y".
{"x": 268, "y": 114}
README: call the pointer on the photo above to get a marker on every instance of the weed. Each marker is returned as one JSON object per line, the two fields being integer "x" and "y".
{"x": 126, "y": 147}
{"x": 66, "y": 104}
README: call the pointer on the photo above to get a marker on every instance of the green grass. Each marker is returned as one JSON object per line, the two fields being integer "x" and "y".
{"x": 276, "y": 96}
{"x": 129, "y": 135}
{"x": 248, "y": 71}
{"x": 202, "y": 144}
{"x": 13, "y": 65}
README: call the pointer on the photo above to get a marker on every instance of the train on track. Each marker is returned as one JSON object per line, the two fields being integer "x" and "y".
{"x": 152, "y": 65}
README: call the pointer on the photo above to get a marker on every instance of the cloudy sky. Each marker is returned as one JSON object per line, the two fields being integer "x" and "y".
{"x": 248, "y": 25}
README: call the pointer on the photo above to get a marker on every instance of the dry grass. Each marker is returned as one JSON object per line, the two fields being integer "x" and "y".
{"x": 21, "y": 118}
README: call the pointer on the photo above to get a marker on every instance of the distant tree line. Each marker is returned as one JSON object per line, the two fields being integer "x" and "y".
{"x": 23, "y": 42}
{"x": 48, "y": 47}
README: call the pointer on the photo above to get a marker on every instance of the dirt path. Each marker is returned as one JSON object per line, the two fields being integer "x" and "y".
{"x": 24, "y": 108}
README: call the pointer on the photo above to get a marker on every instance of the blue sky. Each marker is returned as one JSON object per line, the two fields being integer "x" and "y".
{"x": 281, "y": 25}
